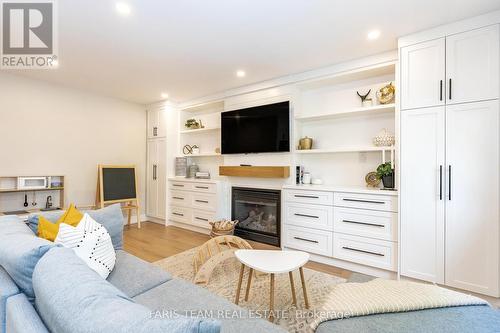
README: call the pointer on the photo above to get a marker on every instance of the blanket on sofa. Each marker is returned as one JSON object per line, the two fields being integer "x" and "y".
{"x": 385, "y": 296}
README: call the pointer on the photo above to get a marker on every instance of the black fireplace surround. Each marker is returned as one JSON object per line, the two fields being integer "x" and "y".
{"x": 259, "y": 214}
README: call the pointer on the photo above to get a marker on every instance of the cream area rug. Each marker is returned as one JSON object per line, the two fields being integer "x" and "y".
{"x": 225, "y": 278}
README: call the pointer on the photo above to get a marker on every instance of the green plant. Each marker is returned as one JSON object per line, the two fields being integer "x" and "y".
{"x": 191, "y": 123}
{"x": 384, "y": 169}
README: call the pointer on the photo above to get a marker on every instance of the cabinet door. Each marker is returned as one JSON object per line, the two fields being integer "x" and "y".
{"x": 472, "y": 65}
{"x": 161, "y": 178}
{"x": 151, "y": 184}
{"x": 152, "y": 116}
{"x": 472, "y": 215}
{"x": 423, "y": 74}
{"x": 422, "y": 193}
{"x": 161, "y": 124}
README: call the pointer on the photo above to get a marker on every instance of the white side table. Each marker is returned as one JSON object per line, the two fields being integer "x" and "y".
{"x": 272, "y": 262}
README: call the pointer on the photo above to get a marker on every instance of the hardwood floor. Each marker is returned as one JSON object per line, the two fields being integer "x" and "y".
{"x": 154, "y": 242}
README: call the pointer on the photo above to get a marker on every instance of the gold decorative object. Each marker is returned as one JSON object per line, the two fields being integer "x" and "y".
{"x": 193, "y": 124}
{"x": 371, "y": 179}
{"x": 305, "y": 143}
{"x": 386, "y": 94}
{"x": 384, "y": 139}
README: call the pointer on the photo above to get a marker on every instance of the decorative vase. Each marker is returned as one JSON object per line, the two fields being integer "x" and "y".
{"x": 384, "y": 139}
{"x": 388, "y": 181}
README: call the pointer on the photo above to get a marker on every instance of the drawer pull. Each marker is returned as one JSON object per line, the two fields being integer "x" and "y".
{"x": 306, "y": 240}
{"x": 364, "y": 223}
{"x": 307, "y": 196}
{"x": 178, "y": 185}
{"x": 365, "y": 201}
{"x": 305, "y": 215}
{"x": 202, "y": 187}
{"x": 202, "y": 201}
{"x": 201, "y": 219}
{"x": 363, "y": 251}
{"x": 178, "y": 198}
{"x": 178, "y": 214}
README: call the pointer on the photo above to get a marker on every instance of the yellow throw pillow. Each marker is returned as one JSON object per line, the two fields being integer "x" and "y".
{"x": 49, "y": 230}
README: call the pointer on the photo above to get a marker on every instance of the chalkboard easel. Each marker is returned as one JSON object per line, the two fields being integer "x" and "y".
{"x": 118, "y": 184}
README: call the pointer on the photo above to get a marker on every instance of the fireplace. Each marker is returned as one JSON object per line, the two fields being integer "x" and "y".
{"x": 259, "y": 213}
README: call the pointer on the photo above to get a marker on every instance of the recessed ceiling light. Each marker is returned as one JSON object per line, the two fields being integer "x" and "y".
{"x": 374, "y": 34}
{"x": 123, "y": 8}
{"x": 164, "y": 95}
{"x": 241, "y": 73}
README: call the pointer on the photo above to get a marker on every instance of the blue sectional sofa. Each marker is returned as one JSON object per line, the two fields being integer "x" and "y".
{"x": 55, "y": 291}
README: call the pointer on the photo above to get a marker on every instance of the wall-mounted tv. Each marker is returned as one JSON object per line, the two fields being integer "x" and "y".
{"x": 260, "y": 129}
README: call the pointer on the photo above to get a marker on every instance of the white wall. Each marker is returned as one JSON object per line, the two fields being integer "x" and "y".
{"x": 48, "y": 129}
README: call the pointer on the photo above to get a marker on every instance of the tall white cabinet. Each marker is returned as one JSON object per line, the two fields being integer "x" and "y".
{"x": 156, "y": 164}
{"x": 449, "y": 168}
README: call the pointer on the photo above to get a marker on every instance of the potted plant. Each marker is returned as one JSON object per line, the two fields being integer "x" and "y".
{"x": 192, "y": 124}
{"x": 385, "y": 172}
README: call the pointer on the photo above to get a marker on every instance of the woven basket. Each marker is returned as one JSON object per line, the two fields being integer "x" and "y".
{"x": 215, "y": 232}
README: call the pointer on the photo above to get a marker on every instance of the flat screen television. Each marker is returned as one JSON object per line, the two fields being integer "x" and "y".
{"x": 260, "y": 129}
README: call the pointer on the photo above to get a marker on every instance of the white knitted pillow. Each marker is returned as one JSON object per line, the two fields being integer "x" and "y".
{"x": 91, "y": 242}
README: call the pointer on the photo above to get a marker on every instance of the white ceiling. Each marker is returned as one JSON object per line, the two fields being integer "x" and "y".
{"x": 192, "y": 48}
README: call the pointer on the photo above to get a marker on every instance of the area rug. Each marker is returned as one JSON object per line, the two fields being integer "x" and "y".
{"x": 225, "y": 278}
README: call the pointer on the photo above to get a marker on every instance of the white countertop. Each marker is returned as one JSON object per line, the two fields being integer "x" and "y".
{"x": 194, "y": 180}
{"x": 334, "y": 188}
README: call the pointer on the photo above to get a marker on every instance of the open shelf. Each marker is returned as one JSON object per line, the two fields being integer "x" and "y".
{"x": 202, "y": 155}
{"x": 200, "y": 130}
{"x": 370, "y": 110}
{"x": 209, "y": 107}
{"x": 360, "y": 149}
{"x": 12, "y": 190}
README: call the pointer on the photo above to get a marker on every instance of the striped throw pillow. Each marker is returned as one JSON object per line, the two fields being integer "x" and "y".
{"x": 91, "y": 242}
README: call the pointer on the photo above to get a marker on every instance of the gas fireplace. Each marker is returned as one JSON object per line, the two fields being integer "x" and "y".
{"x": 258, "y": 211}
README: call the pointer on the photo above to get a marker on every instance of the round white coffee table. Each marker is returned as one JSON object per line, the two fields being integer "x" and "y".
{"x": 272, "y": 262}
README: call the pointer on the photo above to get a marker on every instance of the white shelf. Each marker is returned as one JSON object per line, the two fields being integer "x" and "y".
{"x": 200, "y": 130}
{"x": 360, "y": 149}
{"x": 209, "y": 107}
{"x": 202, "y": 155}
{"x": 370, "y": 110}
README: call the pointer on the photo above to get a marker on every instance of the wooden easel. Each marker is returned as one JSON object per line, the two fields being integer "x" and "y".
{"x": 131, "y": 202}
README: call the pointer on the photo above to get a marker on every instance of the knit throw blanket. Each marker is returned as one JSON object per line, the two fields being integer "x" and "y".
{"x": 384, "y": 296}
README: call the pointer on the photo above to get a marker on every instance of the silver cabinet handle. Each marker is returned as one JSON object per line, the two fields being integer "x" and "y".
{"x": 364, "y": 223}
{"x": 365, "y": 201}
{"x": 202, "y": 201}
{"x": 201, "y": 219}
{"x": 154, "y": 172}
{"x": 305, "y": 215}
{"x": 306, "y": 240}
{"x": 178, "y": 185}
{"x": 202, "y": 187}
{"x": 178, "y": 214}
{"x": 178, "y": 198}
{"x": 306, "y": 196}
{"x": 363, "y": 251}
{"x": 449, "y": 93}
{"x": 441, "y": 90}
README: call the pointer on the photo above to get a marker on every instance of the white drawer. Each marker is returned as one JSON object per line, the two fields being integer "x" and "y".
{"x": 386, "y": 203}
{"x": 204, "y": 187}
{"x": 311, "y": 216}
{"x": 204, "y": 201}
{"x": 313, "y": 241}
{"x": 366, "y": 223}
{"x": 179, "y": 185}
{"x": 309, "y": 197}
{"x": 202, "y": 219}
{"x": 180, "y": 214}
{"x": 180, "y": 198}
{"x": 365, "y": 251}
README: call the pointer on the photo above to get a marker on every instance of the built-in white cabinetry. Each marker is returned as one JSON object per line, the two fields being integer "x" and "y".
{"x": 423, "y": 74}
{"x": 357, "y": 226}
{"x": 459, "y": 68}
{"x": 196, "y": 202}
{"x": 156, "y": 178}
{"x": 156, "y": 122}
{"x": 422, "y": 193}
{"x": 449, "y": 161}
